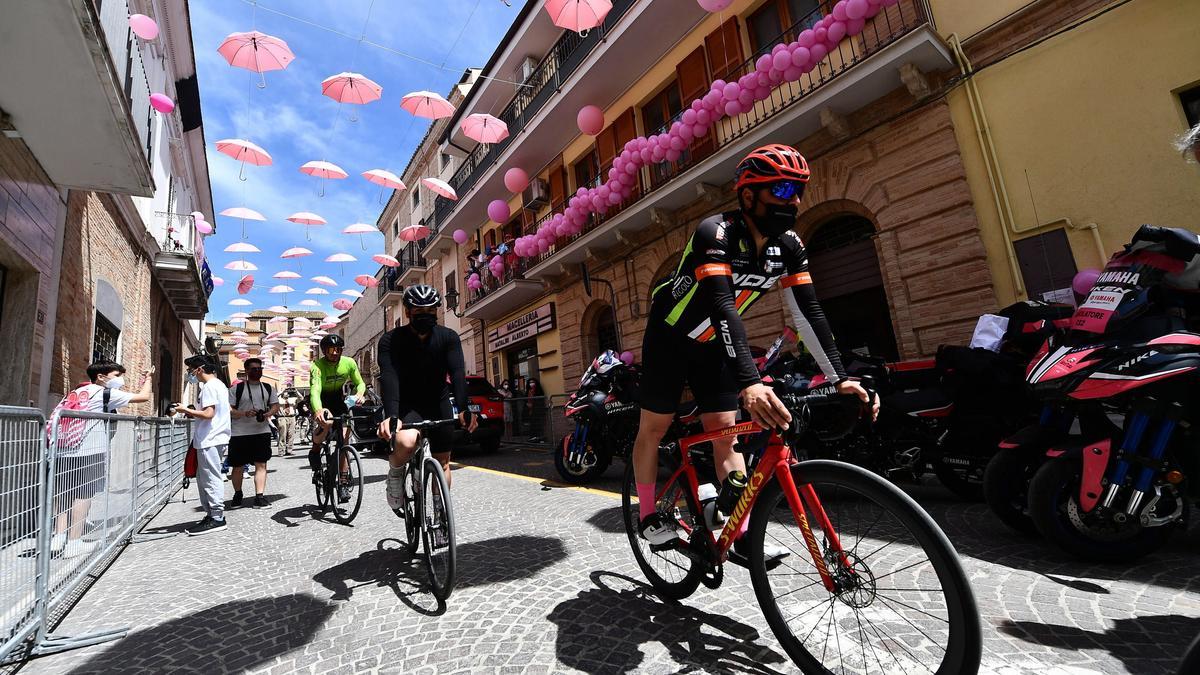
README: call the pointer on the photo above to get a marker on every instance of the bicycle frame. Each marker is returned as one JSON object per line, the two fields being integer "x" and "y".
{"x": 775, "y": 462}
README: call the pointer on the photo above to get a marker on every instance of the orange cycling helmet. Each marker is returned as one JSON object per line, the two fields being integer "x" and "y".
{"x": 771, "y": 163}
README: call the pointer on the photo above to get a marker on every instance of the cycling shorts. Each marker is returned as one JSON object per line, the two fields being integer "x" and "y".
{"x": 336, "y": 405}
{"x": 441, "y": 439}
{"x": 670, "y": 360}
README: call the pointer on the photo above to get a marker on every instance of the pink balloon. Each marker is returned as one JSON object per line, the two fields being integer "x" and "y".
{"x": 515, "y": 179}
{"x": 659, "y": 154}
{"x": 763, "y": 64}
{"x": 781, "y": 60}
{"x": 459, "y": 236}
{"x": 614, "y": 198}
{"x": 677, "y": 144}
{"x": 143, "y": 26}
{"x": 673, "y": 155}
{"x": 857, "y": 9}
{"x": 801, "y": 56}
{"x": 855, "y": 26}
{"x": 703, "y": 117}
{"x": 627, "y": 358}
{"x": 590, "y": 120}
{"x": 792, "y": 74}
{"x": 806, "y": 38}
{"x": 733, "y": 108}
{"x": 1083, "y": 281}
{"x": 203, "y": 227}
{"x": 162, "y": 103}
{"x": 820, "y": 35}
{"x": 746, "y": 99}
{"x": 837, "y": 31}
{"x": 714, "y": 5}
{"x": 730, "y": 91}
{"x": 839, "y": 11}
{"x": 498, "y": 210}
{"x": 699, "y": 130}
{"x": 818, "y": 52}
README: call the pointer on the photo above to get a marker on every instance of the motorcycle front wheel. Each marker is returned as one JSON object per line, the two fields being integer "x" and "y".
{"x": 578, "y": 474}
{"x": 1006, "y": 487}
{"x": 1055, "y": 510}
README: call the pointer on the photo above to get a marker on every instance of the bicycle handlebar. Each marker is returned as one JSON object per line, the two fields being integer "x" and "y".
{"x": 421, "y": 426}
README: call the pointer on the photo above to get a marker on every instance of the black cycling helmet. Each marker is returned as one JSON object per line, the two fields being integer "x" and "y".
{"x": 421, "y": 295}
{"x": 332, "y": 341}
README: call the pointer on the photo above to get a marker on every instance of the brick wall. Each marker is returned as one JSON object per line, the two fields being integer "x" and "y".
{"x": 98, "y": 246}
{"x": 31, "y": 208}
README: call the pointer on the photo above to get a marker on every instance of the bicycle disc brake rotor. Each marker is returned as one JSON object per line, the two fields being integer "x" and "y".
{"x": 854, "y": 583}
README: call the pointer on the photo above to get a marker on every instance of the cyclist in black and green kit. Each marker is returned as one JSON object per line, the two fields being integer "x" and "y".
{"x": 327, "y": 378}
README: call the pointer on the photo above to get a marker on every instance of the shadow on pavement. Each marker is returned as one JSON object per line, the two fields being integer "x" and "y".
{"x": 298, "y": 513}
{"x": 1158, "y": 639}
{"x": 608, "y": 520}
{"x": 234, "y": 636}
{"x": 601, "y": 630}
{"x": 503, "y": 559}
{"x": 389, "y": 566}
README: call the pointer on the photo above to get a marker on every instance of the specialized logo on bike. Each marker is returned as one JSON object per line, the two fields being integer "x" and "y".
{"x": 735, "y": 519}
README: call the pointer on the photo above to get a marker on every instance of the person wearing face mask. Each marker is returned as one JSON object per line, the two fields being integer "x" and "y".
{"x": 210, "y": 438}
{"x": 416, "y": 361}
{"x": 695, "y": 334}
{"x": 328, "y": 377}
{"x": 79, "y": 472}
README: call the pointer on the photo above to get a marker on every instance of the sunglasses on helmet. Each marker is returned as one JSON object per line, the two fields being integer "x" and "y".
{"x": 786, "y": 189}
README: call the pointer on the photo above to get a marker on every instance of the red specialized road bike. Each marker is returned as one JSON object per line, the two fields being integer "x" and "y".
{"x": 870, "y": 585}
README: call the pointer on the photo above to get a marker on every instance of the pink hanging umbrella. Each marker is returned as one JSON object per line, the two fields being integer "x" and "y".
{"x": 342, "y": 258}
{"x": 326, "y": 281}
{"x": 240, "y": 302}
{"x": 317, "y": 291}
{"x": 351, "y": 293}
{"x": 578, "y": 15}
{"x": 426, "y": 104}
{"x": 294, "y": 254}
{"x": 351, "y": 88}
{"x": 283, "y": 290}
{"x": 217, "y": 281}
{"x": 384, "y": 179}
{"x": 245, "y": 152}
{"x": 242, "y": 213}
{"x": 385, "y": 259}
{"x": 239, "y": 315}
{"x": 414, "y": 232}
{"x": 360, "y": 229}
{"x": 306, "y": 219}
{"x": 241, "y": 266}
{"x": 322, "y": 169}
{"x": 256, "y": 52}
{"x": 342, "y": 303}
{"x": 242, "y": 247}
{"x": 278, "y": 309}
{"x": 239, "y": 334}
{"x": 484, "y": 128}
{"x": 285, "y": 274}
{"x": 366, "y": 281}
{"x": 245, "y": 284}
{"x": 441, "y": 187}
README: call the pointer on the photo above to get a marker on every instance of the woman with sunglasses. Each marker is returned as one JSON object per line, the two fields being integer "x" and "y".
{"x": 695, "y": 332}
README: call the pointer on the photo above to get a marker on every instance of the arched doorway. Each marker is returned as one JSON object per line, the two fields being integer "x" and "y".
{"x": 849, "y": 284}
{"x": 599, "y": 330}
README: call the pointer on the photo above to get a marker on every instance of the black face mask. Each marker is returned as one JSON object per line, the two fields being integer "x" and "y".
{"x": 779, "y": 218}
{"x": 424, "y": 323}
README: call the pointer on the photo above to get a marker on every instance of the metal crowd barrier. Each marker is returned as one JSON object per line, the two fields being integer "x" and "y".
{"x": 67, "y": 506}
{"x": 536, "y": 420}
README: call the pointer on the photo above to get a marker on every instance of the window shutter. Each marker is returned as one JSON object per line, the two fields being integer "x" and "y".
{"x": 626, "y": 130}
{"x": 558, "y": 184}
{"x": 692, "y": 77}
{"x": 606, "y": 144}
{"x": 724, "y": 47}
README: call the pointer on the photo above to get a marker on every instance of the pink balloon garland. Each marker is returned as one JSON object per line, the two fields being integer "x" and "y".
{"x": 785, "y": 63}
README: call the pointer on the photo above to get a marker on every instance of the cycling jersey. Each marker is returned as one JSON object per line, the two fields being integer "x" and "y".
{"x": 414, "y": 372}
{"x": 327, "y": 379}
{"x": 721, "y": 275}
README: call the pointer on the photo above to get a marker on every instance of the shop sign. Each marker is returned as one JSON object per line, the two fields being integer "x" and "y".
{"x": 525, "y": 326}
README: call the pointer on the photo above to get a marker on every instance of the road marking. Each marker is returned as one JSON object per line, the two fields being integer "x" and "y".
{"x": 540, "y": 481}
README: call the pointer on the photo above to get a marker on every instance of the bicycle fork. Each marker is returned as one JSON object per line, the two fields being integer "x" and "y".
{"x": 798, "y": 498}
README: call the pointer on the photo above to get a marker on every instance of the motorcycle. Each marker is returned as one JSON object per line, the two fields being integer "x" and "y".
{"x": 945, "y": 415}
{"x": 1109, "y": 459}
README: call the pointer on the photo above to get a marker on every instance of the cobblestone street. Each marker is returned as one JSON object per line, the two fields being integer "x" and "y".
{"x": 547, "y": 584}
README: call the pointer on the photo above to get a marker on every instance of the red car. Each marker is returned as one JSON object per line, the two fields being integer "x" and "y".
{"x": 486, "y": 402}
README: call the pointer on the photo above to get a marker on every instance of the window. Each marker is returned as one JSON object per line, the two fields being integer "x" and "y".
{"x": 776, "y": 16}
{"x": 656, "y": 114}
{"x": 443, "y": 161}
{"x": 104, "y": 345}
{"x": 587, "y": 169}
{"x": 606, "y": 332}
{"x": 1190, "y": 99}
{"x": 1047, "y": 264}
{"x": 449, "y": 284}
{"x": 396, "y": 225}
{"x": 416, "y": 198}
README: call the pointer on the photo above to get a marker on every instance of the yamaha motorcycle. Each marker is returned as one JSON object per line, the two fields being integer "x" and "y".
{"x": 1108, "y": 463}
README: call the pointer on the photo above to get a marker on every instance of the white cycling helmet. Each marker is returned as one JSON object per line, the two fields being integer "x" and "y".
{"x": 421, "y": 295}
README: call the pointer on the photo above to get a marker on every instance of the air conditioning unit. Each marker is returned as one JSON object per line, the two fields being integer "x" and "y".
{"x": 537, "y": 194}
{"x": 528, "y": 68}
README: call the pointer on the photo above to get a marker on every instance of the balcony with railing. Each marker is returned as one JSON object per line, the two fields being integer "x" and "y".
{"x": 412, "y": 263}
{"x": 178, "y": 262}
{"x": 861, "y": 70}
{"x": 83, "y": 104}
{"x": 499, "y": 296}
{"x": 634, "y": 32}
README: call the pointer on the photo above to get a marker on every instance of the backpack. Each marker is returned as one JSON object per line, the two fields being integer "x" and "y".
{"x": 241, "y": 386}
{"x": 71, "y": 430}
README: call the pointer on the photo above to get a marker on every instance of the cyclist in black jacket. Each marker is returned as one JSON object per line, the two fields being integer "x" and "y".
{"x": 415, "y": 362}
{"x": 695, "y": 332}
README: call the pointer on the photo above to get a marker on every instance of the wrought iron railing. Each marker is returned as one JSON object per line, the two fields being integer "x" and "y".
{"x": 555, "y": 68}
{"x": 882, "y": 30}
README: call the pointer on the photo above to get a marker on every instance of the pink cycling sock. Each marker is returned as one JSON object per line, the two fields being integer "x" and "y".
{"x": 645, "y": 492}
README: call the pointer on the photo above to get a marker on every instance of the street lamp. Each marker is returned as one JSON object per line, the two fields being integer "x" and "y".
{"x": 452, "y": 303}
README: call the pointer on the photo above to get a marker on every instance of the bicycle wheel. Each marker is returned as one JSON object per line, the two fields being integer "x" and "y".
{"x": 319, "y": 486}
{"x": 670, "y": 571}
{"x": 412, "y": 501}
{"x": 902, "y": 604}
{"x": 344, "y": 513}
{"x": 438, "y": 535}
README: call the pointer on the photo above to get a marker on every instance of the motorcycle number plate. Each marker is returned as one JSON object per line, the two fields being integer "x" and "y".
{"x": 473, "y": 407}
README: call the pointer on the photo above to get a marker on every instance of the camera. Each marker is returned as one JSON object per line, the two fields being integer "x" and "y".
{"x": 260, "y": 415}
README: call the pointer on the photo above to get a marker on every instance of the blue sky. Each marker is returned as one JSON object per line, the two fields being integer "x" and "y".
{"x": 295, "y": 123}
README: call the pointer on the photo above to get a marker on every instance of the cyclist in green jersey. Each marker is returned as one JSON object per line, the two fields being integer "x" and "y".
{"x": 327, "y": 377}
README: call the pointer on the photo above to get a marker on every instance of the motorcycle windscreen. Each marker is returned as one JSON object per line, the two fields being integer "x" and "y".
{"x": 1122, "y": 290}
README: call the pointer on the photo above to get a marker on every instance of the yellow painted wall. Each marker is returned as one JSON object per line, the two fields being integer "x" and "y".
{"x": 967, "y": 17}
{"x": 548, "y": 343}
{"x": 1089, "y": 117}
